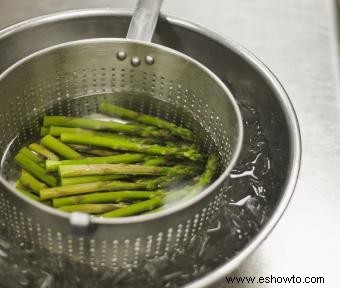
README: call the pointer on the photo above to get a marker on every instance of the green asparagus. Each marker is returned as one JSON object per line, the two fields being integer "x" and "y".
{"x": 36, "y": 170}
{"x": 34, "y": 157}
{"x": 41, "y": 150}
{"x": 62, "y": 191}
{"x": 28, "y": 193}
{"x": 31, "y": 183}
{"x": 206, "y": 178}
{"x": 93, "y": 124}
{"x": 122, "y": 169}
{"x": 203, "y": 180}
{"x": 57, "y": 131}
{"x": 93, "y": 150}
{"x": 106, "y": 197}
{"x": 44, "y": 131}
{"x": 19, "y": 185}
{"x": 60, "y": 148}
{"x": 155, "y": 161}
{"x": 136, "y": 159}
{"x": 115, "y": 110}
{"x": 125, "y": 145}
{"x": 135, "y": 209}
{"x": 114, "y": 159}
{"x": 89, "y": 179}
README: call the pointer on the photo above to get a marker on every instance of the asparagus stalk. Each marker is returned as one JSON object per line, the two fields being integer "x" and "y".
{"x": 141, "y": 140}
{"x": 207, "y": 176}
{"x": 114, "y": 159}
{"x": 203, "y": 180}
{"x": 31, "y": 183}
{"x": 19, "y": 186}
{"x": 179, "y": 144}
{"x": 36, "y": 170}
{"x": 62, "y": 191}
{"x": 58, "y": 130}
{"x": 28, "y": 194}
{"x": 106, "y": 197}
{"x": 89, "y": 179}
{"x": 44, "y": 131}
{"x": 93, "y": 151}
{"x": 60, "y": 148}
{"x": 66, "y": 171}
{"x": 93, "y": 124}
{"x": 41, "y": 150}
{"x": 91, "y": 208}
{"x": 34, "y": 157}
{"x": 126, "y": 145}
{"x": 191, "y": 190}
{"x": 101, "y": 152}
{"x": 155, "y": 161}
{"x": 134, "y": 209}
{"x": 112, "y": 109}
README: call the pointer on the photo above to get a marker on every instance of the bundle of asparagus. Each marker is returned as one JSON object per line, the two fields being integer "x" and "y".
{"x": 111, "y": 169}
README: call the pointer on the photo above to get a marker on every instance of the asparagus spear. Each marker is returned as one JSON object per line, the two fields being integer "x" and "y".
{"x": 62, "y": 191}
{"x": 100, "y": 152}
{"x": 141, "y": 140}
{"x": 58, "y": 130}
{"x": 31, "y": 183}
{"x": 34, "y": 157}
{"x": 93, "y": 124}
{"x": 19, "y": 186}
{"x": 155, "y": 161}
{"x": 191, "y": 190}
{"x": 44, "y": 131}
{"x": 112, "y": 109}
{"x": 41, "y": 150}
{"x": 203, "y": 180}
{"x": 114, "y": 159}
{"x": 91, "y": 208}
{"x": 106, "y": 197}
{"x": 134, "y": 209}
{"x": 89, "y": 179}
{"x": 60, "y": 148}
{"x": 210, "y": 170}
{"x": 36, "y": 170}
{"x": 28, "y": 194}
{"x": 129, "y": 169}
{"x": 125, "y": 145}
{"x": 92, "y": 150}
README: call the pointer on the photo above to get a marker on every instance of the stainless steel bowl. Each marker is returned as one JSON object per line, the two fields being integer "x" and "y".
{"x": 248, "y": 78}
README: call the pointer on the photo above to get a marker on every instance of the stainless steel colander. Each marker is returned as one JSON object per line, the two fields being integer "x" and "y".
{"x": 71, "y": 79}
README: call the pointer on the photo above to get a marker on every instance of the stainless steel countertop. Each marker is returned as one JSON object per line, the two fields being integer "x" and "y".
{"x": 298, "y": 40}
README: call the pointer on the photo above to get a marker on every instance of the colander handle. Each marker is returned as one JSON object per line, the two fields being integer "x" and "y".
{"x": 144, "y": 20}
